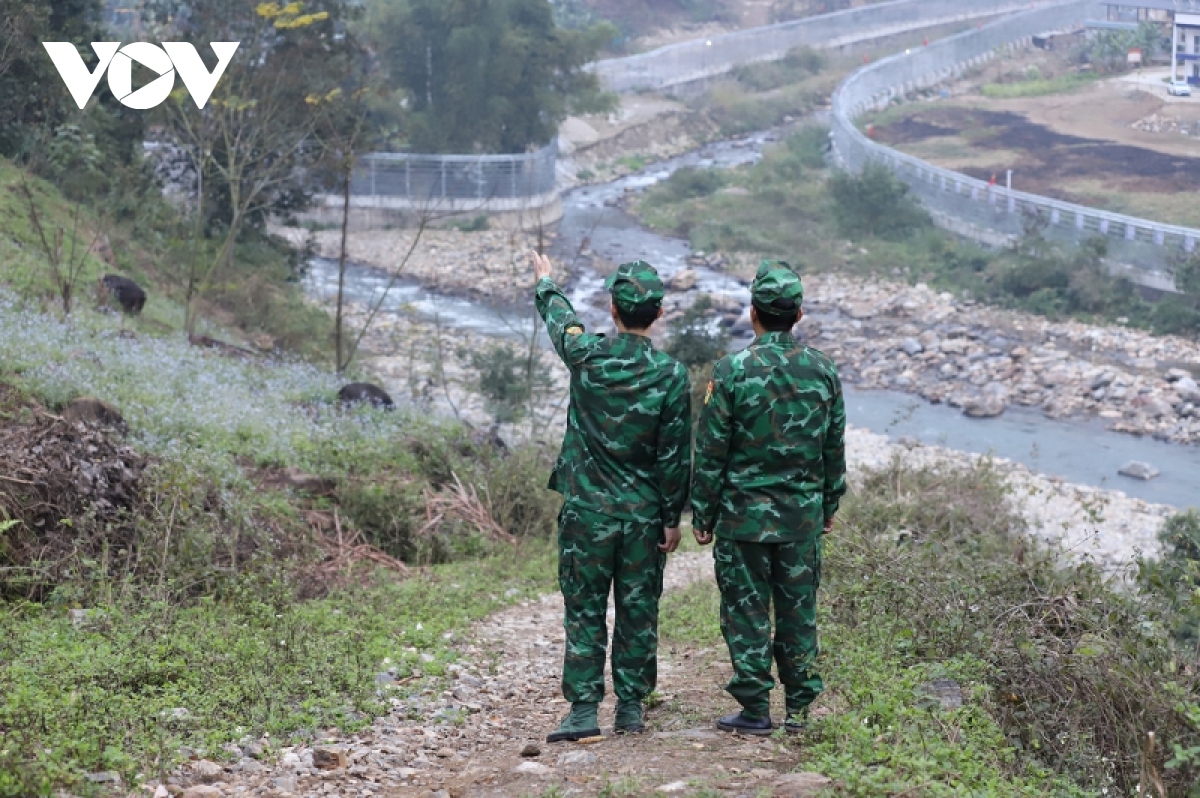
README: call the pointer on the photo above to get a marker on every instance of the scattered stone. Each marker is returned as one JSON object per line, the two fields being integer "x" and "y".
{"x": 983, "y": 407}
{"x": 533, "y": 769}
{"x": 285, "y": 783}
{"x": 329, "y": 758}
{"x": 673, "y": 787}
{"x": 801, "y": 785}
{"x": 946, "y": 692}
{"x": 105, "y": 777}
{"x": 202, "y": 791}
{"x": 576, "y": 759}
{"x": 1139, "y": 470}
{"x": 685, "y": 280}
{"x": 911, "y": 347}
{"x": 84, "y": 619}
{"x": 207, "y": 770}
{"x": 531, "y": 749}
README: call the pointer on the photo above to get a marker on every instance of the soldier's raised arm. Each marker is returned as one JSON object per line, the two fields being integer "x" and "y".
{"x": 566, "y": 331}
{"x": 833, "y": 453}
{"x": 675, "y": 449}
{"x": 712, "y": 456}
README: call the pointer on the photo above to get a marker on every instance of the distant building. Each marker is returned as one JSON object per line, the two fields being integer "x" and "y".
{"x": 1182, "y": 16}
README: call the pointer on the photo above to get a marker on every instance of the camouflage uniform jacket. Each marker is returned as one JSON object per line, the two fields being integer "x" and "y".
{"x": 627, "y": 450}
{"x": 770, "y": 454}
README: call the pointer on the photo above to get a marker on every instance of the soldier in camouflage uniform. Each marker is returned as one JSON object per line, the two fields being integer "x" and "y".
{"x": 769, "y": 472}
{"x": 624, "y": 472}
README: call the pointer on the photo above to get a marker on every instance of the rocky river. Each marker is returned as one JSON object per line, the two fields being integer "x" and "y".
{"x": 1063, "y": 389}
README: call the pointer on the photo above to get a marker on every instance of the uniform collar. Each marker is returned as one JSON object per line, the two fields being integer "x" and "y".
{"x": 776, "y": 338}
{"x": 635, "y": 338}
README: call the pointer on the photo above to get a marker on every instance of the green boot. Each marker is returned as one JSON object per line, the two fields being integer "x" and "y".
{"x": 579, "y": 724}
{"x": 629, "y": 718}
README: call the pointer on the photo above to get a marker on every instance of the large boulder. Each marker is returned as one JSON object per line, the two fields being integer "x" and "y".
{"x": 128, "y": 294}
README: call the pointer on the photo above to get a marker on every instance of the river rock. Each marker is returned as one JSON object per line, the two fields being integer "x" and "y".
{"x": 685, "y": 280}
{"x": 1188, "y": 389}
{"x": 983, "y": 407}
{"x": 1139, "y": 470}
{"x": 911, "y": 347}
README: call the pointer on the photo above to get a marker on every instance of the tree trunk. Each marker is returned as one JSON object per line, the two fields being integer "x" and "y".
{"x": 337, "y": 333}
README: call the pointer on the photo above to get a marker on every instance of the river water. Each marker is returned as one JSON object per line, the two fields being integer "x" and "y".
{"x": 1079, "y": 451}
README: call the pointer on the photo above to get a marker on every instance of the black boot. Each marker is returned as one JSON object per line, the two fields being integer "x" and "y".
{"x": 740, "y": 723}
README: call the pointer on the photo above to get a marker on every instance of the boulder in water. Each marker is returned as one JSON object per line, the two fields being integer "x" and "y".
{"x": 1139, "y": 470}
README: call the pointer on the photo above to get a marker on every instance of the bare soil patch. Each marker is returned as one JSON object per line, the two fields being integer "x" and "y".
{"x": 983, "y": 143}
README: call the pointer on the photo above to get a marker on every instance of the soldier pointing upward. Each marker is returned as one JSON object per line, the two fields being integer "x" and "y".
{"x": 769, "y": 473}
{"x": 623, "y": 471}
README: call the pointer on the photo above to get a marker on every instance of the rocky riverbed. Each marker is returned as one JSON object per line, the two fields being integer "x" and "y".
{"x": 983, "y": 359}
{"x": 487, "y": 265}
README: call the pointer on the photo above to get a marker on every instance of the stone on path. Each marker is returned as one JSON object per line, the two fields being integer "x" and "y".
{"x": 202, "y": 791}
{"x": 207, "y": 770}
{"x": 329, "y": 758}
{"x": 800, "y": 785}
{"x": 673, "y": 787}
{"x": 533, "y": 769}
{"x": 531, "y": 749}
{"x": 576, "y": 759}
{"x": 1139, "y": 470}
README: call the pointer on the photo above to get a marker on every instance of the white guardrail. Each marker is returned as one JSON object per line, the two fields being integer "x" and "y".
{"x": 1140, "y": 249}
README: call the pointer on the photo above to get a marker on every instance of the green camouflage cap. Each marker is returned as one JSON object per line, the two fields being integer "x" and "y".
{"x": 777, "y": 289}
{"x": 635, "y": 284}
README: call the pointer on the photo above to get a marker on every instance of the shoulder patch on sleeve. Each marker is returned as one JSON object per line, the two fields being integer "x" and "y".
{"x": 708, "y": 394}
{"x": 574, "y": 329}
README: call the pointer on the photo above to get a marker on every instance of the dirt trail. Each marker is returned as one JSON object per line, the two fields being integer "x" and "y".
{"x": 468, "y": 740}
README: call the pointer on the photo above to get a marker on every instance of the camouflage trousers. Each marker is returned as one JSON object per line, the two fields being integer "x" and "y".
{"x": 595, "y": 552}
{"x": 752, "y": 577}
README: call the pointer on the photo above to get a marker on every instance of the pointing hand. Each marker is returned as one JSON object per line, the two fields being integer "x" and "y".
{"x": 541, "y": 265}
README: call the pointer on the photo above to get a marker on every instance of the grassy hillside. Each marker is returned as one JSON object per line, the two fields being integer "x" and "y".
{"x": 257, "y": 300}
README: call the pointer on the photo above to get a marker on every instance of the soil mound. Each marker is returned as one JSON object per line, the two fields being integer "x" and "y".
{"x": 58, "y": 478}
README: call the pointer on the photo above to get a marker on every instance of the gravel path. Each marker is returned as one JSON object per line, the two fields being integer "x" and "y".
{"x": 482, "y": 735}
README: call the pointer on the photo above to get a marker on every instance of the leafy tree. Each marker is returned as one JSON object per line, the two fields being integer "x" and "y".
{"x": 875, "y": 203}
{"x": 253, "y": 143}
{"x": 34, "y": 101}
{"x": 487, "y": 75}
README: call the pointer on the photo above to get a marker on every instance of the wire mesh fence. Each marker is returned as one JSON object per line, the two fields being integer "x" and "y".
{"x": 698, "y": 59}
{"x": 1144, "y": 249}
{"x": 436, "y": 178}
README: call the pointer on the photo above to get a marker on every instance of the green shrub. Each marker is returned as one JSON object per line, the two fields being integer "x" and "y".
{"x": 1176, "y": 574}
{"x": 697, "y": 338}
{"x": 1077, "y": 671}
{"x": 875, "y": 203}
{"x": 690, "y": 182}
{"x": 798, "y": 64}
